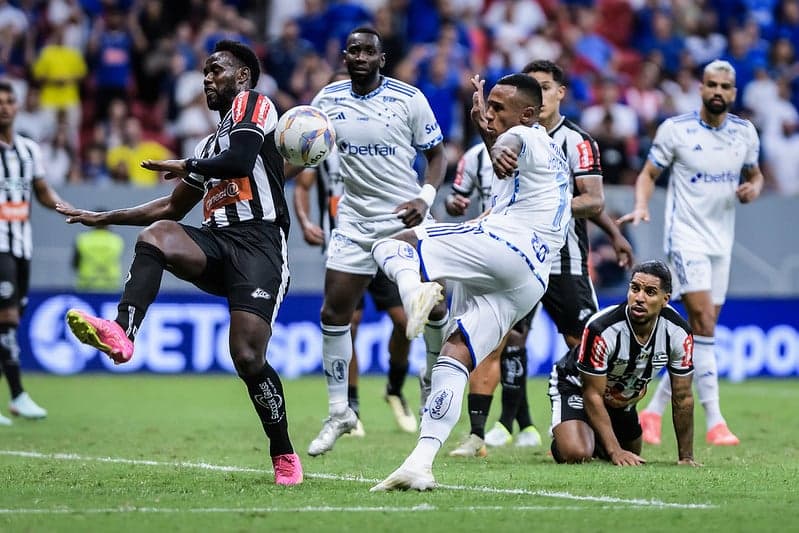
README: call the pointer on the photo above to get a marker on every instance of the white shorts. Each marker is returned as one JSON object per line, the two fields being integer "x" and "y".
{"x": 350, "y": 248}
{"x": 493, "y": 285}
{"x": 697, "y": 272}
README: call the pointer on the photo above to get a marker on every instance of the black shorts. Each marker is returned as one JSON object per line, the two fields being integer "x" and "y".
{"x": 570, "y": 301}
{"x": 567, "y": 404}
{"x": 15, "y": 275}
{"x": 246, "y": 263}
{"x": 383, "y": 291}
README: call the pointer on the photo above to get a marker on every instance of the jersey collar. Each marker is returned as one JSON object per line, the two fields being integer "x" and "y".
{"x": 380, "y": 87}
{"x": 708, "y": 126}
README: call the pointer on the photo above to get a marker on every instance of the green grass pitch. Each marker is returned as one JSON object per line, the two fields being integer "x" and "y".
{"x": 186, "y": 453}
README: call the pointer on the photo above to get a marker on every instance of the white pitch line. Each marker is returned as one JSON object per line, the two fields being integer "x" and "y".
{"x": 335, "y": 477}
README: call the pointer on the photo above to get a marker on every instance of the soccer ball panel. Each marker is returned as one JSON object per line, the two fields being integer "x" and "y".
{"x": 304, "y": 136}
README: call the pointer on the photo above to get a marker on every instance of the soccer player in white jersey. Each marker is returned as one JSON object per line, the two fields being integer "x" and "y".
{"x": 22, "y": 172}
{"x": 239, "y": 253}
{"x": 499, "y": 263}
{"x": 380, "y": 124}
{"x": 712, "y": 156}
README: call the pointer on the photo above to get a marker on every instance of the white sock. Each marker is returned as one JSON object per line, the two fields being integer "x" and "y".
{"x": 706, "y": 379}
{"x": 336, "y": 355}
{"x": 661, "y": 397}
{"x": 442, "y": 411}
{"x": 434, "y": 339}
{"x": 400, "y": 262}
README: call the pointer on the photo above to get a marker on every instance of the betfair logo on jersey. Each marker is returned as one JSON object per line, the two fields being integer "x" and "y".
{"x": 373, "y": 150}
{"x": 722, "y": 177}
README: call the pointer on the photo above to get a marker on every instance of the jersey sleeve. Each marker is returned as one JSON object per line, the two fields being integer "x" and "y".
{"x": 594, "y": 351}
{"x": 253, "y": 111}
{"x": 423, "y": 123}
{"x": 752, "y": 147}
{"x": 466, "y": 174}
{"x": 38, "y": 161}
{"x": 681, "y": 352}
{"x": 584, "y": 157}
{"x": 663, "y": 146}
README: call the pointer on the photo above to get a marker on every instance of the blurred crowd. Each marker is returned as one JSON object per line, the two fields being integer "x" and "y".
{"x": 107, "y": 83}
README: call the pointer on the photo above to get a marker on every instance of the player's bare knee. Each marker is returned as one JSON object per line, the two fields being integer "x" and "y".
{"x": 246, "y": 361}
{"x": 334, "y": 316}
{"x": 572, "y": 452}
{"x": 703, "y": 323}
{"x": 156, "y": 233}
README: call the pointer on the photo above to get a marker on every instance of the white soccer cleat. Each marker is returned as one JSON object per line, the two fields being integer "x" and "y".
{"x": 4, "y": 420}
{"x": 473, "y": 446}
{"x": 332, "y": 428}
{"x": 402, "y": 414}
{"x": 407, "y": 477}
{"x": 357, "y": 431}
{"x": 24, "y": 406}
{"x": 498, "y": 436}
{"x": 529, "y": 437}
{"x": 421, "y": 302}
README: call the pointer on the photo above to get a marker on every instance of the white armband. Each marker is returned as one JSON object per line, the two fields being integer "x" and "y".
{"x": 428, "y": 194}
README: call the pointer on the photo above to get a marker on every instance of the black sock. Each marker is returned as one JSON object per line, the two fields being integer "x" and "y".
{"x": 396, "y": 377}
{"x": 9, "y": 358}
{"x": 523, "y": 417}
{"x": 266, "y": 392}
{"x": 513, "y": 380}
{"x": 352, "y": 399}
{"x": 141, "y": 288}
{"x": 479, "y": 405}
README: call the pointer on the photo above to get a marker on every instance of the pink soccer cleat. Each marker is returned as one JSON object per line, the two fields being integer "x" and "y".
{"x": 720, "y": 435}
{"x": 650, "y": 424}
{"x": 105, "y": 335}
{"x": 288, "y": 470}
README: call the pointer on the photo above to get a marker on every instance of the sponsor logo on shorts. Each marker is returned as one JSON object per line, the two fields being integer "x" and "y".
{"x": 440, "y": 404}
{"x": 575, "y": 401}
{"x": 260, "y": 293}
{"x": 406, "y": 251}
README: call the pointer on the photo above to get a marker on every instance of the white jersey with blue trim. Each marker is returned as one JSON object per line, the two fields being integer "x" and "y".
{"x": 377, "y": 136}
{"x": 706, "y": 166}
{"x": 535, "y": 202}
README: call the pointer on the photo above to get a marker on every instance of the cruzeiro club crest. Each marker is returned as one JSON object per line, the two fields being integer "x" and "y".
{"x": 338, "y": 370}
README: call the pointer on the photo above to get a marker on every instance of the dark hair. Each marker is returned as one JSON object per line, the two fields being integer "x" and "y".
{"x": 657, "y": 269}
{"x": 6, "y": 87}
{"x": 367, "y": 29}
{"x": 524, "y": 84}
{"x": 545, "y": 65}
{"x": 244, "y": 55}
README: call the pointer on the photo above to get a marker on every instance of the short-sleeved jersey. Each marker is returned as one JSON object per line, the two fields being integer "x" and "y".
{"x": 531, "y": 209}
{"x": 706, "y": 166}
{"x": 377, "y": 136}
{"x": 609, "y": 347}
{"x": 21, "y": 163}
{"x": 258, "y": 196}
{"x": 475, "y": 173}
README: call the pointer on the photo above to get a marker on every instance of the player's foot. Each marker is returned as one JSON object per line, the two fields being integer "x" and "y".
{"x": 332, "y": 428}
{"x": 529, "y": 437}
{"x": 357, "y": 431}
{"x": 399, "y": 407}
{"x": 407, "y": 477}
{"x": 4, "y": 420}
{"x": 288, "y": 470}
{"x": 421, "y": 302}
{"x": 425, "y": 386}
{"x": 650, "y": 424}
{"x": 498, "y": 436}
{"x": 473, "y": 446}
{"x": 720, "y": 435}
{"x": 105, "y": 335}
{"x": 24, "y": 406}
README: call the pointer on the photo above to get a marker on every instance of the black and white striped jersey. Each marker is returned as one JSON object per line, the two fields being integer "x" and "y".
{"x": 582, "y": 153}
{"x": 609, "y": 347}
{"x": 259, "y": 196}
{"x": 21, "y": 163}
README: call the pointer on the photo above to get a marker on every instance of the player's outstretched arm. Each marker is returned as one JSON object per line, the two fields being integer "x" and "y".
{"x": 644, "y": 187}
{"x": 311, "y": 232}
{"x": 682, "y": 407}
{"x": 172, "y": 207}
{"x": 46, "y": 195}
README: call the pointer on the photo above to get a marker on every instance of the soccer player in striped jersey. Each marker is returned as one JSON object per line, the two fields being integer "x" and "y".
{"x": 569, "y": 274}
{"x": 499, "y": 263}
{"x": 595, "y": 386}
{"x": 380, "y": 124}
{"x": 239, "y": 252}
{"x": 22, "y": 172}
{"x": 713, "y": 160}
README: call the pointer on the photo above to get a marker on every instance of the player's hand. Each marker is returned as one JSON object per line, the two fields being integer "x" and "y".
{"x": 80, "y": 216}
{"x": 173, "y": 168}
{"x": 456, "y": 205}
{"x": 624, "y": 252}
{"x": 626, "y": 458}
{"x": 747, "y": 192}
{"x": 412, "y": 212}
{"x": 478, "y": 103}
{"x": 637, "y": 215}
{"x": 504, "y": 160}
{"x": 689, "y": 461}
{"x": 313, "y": 234}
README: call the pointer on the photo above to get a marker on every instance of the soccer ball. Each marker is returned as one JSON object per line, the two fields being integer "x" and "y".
{"x": 304, "y": 136}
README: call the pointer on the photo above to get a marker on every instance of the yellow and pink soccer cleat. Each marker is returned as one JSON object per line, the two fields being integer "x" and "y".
{"x": 105, "y": 335}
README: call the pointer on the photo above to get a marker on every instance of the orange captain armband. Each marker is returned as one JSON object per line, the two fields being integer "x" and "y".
{"x": 332, "y": 205}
